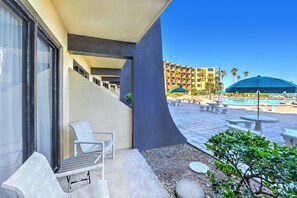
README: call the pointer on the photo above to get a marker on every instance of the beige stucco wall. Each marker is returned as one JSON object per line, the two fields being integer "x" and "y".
{"x": 101, "y": 108}
{"x": 47, "y": 13}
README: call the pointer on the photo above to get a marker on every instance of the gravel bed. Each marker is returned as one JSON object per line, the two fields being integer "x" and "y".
{"x": 171, "y": 164}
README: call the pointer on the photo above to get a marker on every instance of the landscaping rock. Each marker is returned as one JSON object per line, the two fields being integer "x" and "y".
{"x": 199, "y": 167}
{"x": 189, "y": 189}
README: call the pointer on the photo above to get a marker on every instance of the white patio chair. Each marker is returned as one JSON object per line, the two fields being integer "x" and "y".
{"x": 35, "y": 179}
{"x": 87, "y": 141}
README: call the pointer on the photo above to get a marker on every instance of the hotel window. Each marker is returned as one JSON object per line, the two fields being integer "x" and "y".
{"x": 96, "y": 81}
{"x": 79, "y": 69}
{"x": 106, "y": 85}
{"x": 29, "y": 97}
{"x": 210, "y": 69}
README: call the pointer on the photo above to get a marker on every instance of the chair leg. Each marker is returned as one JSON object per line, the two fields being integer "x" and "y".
{"x": 102, "y": 172}
{"x": 113, "y": 151}
{"x": 74, "y": 149}
{"x": 69, "y": 182}
{"x": 89, "y": 176}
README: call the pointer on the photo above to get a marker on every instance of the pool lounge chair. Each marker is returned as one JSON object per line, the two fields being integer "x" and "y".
{"x": 87, "y": 141}
{"x": 35, "y": 179}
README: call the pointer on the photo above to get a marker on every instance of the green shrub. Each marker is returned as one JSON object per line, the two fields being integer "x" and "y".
{"x": 129, "y": 99}
{"x": 273, "y": 166}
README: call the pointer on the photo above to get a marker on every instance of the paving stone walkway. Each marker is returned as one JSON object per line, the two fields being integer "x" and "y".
{"x": 198, "y": 126}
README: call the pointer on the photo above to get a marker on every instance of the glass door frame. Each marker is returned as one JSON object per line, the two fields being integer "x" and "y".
{"x": 32, "y": 25}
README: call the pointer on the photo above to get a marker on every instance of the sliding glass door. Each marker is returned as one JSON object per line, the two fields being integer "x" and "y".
{"x": 45, "y": 61}
{"x": 11, "y": 91}
{"x": 29, "y": 90}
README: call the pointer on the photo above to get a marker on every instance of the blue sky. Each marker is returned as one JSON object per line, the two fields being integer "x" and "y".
{"x": 259, "y": 36}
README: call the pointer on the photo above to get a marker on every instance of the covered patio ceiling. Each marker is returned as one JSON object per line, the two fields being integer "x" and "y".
{"x": 120, "y": 20}
{"x": 104, "y": 62}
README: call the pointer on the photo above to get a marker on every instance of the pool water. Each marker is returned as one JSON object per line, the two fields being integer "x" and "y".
{"x": 245, "y": 101}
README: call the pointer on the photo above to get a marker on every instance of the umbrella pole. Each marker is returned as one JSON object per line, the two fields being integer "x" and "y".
{"x": 258, "y": 103}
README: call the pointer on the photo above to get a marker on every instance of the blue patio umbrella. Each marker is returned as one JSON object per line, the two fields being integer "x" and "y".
{"x": 178, "y": 90}
{"x": 263, "y": 84}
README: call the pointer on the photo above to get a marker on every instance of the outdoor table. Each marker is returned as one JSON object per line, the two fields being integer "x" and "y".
{"x": 247, "y": 123}
{"x": 212, "y": 106}
{"x": 80, "y": 164}
{"x": 259, "y": 120}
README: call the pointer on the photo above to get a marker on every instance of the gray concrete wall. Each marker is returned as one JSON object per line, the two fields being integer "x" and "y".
{"x": 153, "y": 125}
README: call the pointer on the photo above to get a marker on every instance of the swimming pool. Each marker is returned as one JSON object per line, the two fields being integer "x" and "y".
{"x": 246, "y": 101}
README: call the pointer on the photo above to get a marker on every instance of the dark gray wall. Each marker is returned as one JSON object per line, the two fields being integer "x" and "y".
{"x": 153, "y": 125}
{"x": 125, "y": 81}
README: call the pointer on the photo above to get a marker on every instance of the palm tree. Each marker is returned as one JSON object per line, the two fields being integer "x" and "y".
{"x": 238, "y": 78}
{"x": 210, "y": 78}
{"x": 217, "y": 80}
{"x": 177, "y": 74}
{"x": 210, "y": 87}
{"x": 220, "y": 86}
{"x": 234, "y": 71}
{"x": 223, "y": 73}
{"x": 246, "y": 73}
{"x": 202, "y": 75}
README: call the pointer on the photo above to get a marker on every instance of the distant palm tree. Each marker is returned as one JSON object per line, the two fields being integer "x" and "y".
{"x": 210, "y": 87}
{"x": 177, "y": 75}
{"x": 217, "y": 79}
{"x": 210, "y": 78}
{"x": 238, "y": 78}
{"x": 246, "y": 73}
{"x": 202, "y": 76}
{"x": 223, "y": 73}
{"x": 220, "y": 86}
{"x": 234, "y": 72}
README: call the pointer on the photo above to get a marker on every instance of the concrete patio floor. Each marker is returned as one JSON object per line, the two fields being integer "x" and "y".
{"x": 198, "y": 126}
{"x": 128, "y": 176}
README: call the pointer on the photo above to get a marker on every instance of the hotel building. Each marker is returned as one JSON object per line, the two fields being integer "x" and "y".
{"x": 188, "y": 77}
